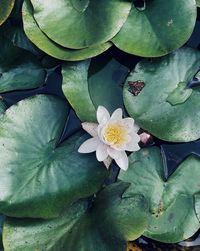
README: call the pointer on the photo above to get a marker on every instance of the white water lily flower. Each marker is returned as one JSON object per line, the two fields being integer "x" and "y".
{"x": 111, "y": 137}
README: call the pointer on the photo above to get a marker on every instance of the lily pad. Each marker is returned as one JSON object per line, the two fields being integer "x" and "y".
{"x": 38, "y": 177}
{"x": 163, "y": 108}
{"x": 2, "y": 107}
{"x": 6, "y": 7}
{"x": 16, "y": 35}
{"x": 161, "y": 27}
{"x": 105, "y": 82}
{"x": 88, "y": 84}
{"x": 48, "y": 46}
{"x": 19, "y": 69}
{"x": 80, "y": 24}
{"x": 172, "y": 215}
{"x": 197, "y": 205}
{"x": 75, "y": 88}
{"x": 82, "y": 228}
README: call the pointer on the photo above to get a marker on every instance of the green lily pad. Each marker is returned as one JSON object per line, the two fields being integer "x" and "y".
{"x": 106, "y": 226}
{"x": 6, "y": 7}
{"x": 13, "y": 30}
{"x": 172, "y": 215}
{"x": 2, "y": 107}
{"x": 19, "y": 69}
{"x": 160, "y": 28}
{"x": 88, "y": 84}
{"x": 105, "y": 83}
{"x": 16, "y": 35}
{"x": 80, "y": 24}
{"x": 48, "y": 46}
{"x": 197, "y": 205}
{"x": 38, "y": 177}
{"x": 163, "y": 108}
{"x": 75, "y": 88}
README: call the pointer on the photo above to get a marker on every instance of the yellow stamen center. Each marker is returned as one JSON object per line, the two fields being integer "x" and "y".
{"x": 115, "y": 134}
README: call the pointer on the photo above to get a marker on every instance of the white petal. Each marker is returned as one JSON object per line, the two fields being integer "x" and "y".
{"x": 117, "y": 114}
{"x": 136, "y": 128}
{"x": 132, "y": 146}
{"x": 135, "y": 137}
{"x": 120, "y": 158}
{"x": 131, "y": 143}
{"x": 122, "y": 161}
{"x": 90, "y": 128}
{"x": 101, "y": 152}
{"x": 100, "y": 130}
{"x": 129, "y": 123}
{"x": 113, "y": 153}
{"x": 102, "y": 115}
{"x": 122, "y": 147}
{"x": 89, "y": 145}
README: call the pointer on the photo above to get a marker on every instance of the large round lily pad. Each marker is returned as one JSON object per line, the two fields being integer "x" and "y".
{"x": 172, "y": 214}
{"x": 38, "y": 177}
{"x": 47, "y": 45}
{"x": 165, "y": 106}
{"x": 88, "y": 84}
{"x": 160, "y": 28}
{"x": 80, "y": 24}
{"x": 6, "y": 7}
{"x": 106, "y": 226}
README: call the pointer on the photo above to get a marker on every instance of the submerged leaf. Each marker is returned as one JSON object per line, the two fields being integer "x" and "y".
{"x": 19, "y": 69}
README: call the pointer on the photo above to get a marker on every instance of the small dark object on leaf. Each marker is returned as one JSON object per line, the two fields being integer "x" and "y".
{"x": 135, "y": 87}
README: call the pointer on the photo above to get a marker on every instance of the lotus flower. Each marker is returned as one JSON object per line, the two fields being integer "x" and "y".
{"x": 112, "y": 136}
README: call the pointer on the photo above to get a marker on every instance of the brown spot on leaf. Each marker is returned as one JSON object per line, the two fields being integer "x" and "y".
{"x": 135, "y": 87}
